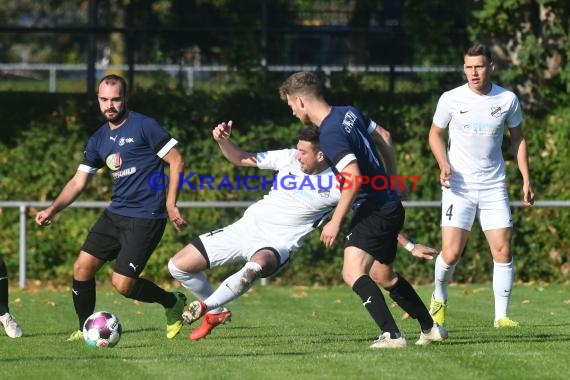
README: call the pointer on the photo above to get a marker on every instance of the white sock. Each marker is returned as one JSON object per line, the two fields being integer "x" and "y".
{"x": 196, "y": 283}
{"x": 234, "y": 286}
{"x": 503, "y": 278}
{"x": 442, "y": 275}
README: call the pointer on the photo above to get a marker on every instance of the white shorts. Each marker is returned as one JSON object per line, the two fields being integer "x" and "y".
{"x": 491, "y": 206}
{"x": 237, "y": 243}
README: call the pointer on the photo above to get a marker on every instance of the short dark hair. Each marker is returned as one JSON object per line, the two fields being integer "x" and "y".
{"x": 113, "y": 79}
{"x": 478, "y": 49}
{"x": 310, "y": 134}
{"x": 303, "y": 82}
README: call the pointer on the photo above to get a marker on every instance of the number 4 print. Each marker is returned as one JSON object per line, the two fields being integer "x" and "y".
{"x": 449, "y": 212}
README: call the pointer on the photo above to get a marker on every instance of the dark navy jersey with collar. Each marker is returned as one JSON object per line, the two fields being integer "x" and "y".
{"x": 132, "y": 153}
{"x": 344, "y": 137}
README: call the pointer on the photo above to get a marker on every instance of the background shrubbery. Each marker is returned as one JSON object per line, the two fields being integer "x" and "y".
{"x": 43, "y": 137}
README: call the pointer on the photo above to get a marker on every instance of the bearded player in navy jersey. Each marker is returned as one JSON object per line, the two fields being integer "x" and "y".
{"x": 346, "y": 140}
{"x": 132, "y": 146}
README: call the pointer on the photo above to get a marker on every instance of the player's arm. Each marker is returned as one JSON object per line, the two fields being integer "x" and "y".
{"x": 232, "y": 152}
{"x": 348, "y": 195}
{"x": 383, "y": 140}
{"x": 416, "y": 249}
{"x": 520, "y": 151}
{"x": 175, "y": 163}
{"x": 438, "y": 149}
{"x": 70, "y": 192}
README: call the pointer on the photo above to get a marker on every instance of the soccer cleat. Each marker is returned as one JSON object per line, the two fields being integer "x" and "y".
{"x": 210, "y": 321}
{"x": 385, "y": 341}
{"x": 437, "y": 310}
{"x": 75, "y": 336}
{"x": 11, "y": 327}
{"x": 505, "y": 322}
{"x": 174, "y": 316}
{"x": 195, "y": 311}
{"x": 435, "y": 334}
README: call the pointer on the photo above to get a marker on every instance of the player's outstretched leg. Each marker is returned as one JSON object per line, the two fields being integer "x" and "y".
{"x": 210, "y": 321}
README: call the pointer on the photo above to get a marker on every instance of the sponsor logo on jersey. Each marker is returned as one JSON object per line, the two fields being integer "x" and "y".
{"x": 124, "y": 172}
{"x": 496, "y": 111}
{"x": 114, "y": 161}
{"x": 348, "y": 122}
{"x": 126, "y": 140}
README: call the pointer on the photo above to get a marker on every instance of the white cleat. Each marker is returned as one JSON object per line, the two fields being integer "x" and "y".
{"x": 11, "y": 327}
{"x": 435, "y": 334}
{"x": 385, "y": 341}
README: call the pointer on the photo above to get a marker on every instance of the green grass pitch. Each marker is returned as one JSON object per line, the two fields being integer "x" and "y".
{"x": 282, "y": 332}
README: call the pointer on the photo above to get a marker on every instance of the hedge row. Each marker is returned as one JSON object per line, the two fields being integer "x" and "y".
{"x": 43, "y": 143}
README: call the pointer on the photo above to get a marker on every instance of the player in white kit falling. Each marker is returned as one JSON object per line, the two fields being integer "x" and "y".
{"x": 473, "y": 176}
{"x": 305, "y": 190}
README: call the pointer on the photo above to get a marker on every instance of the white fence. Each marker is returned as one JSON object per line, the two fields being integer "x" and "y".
{"x": 25, "y": 205}
{"x": 189, "y": 71}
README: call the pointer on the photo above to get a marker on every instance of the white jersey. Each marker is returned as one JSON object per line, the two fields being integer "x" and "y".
{"x": 296, "y": 203}
{"x": 476, "y": 128}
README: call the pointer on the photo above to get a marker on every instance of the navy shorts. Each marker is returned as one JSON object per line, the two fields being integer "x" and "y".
{"x": 376, "y": 231}
{"x": 130, "y": 241}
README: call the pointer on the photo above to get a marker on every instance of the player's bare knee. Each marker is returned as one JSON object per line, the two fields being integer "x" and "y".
{"x": 251, "y": 272}
{"x": 450, "y": 257}
{"x": 349, "y": 278}
{"x": 267, "y": 260}
{"x": 502, "y": 256}
{"x": 122, "y": 287}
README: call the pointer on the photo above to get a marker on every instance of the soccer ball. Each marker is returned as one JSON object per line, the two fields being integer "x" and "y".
{"x": 102, "y": 329}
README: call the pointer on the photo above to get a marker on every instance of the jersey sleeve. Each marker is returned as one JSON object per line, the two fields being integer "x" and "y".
{"x": 442, "y": 115}
{"x": 91, "y": 160}
{"x": 275, "y": 159}
{"x": 515, "y": 113}
{"x": 157, "y": 138}
{"x": 339, "y": 151}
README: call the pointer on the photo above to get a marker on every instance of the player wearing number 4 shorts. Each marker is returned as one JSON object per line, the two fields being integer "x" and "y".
{"x": 473, "y": 177}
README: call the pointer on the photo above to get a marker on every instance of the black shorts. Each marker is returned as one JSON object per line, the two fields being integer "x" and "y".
{"x": 376, "y": 231}
{"x": 129, "y": 240}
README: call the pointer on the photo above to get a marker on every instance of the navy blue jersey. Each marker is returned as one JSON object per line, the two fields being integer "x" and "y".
{"x": 345, "y": 137}
{"x": 132, "y": 153}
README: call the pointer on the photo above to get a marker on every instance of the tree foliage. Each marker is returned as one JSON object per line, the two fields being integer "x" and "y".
{"x": 531, "y": 39}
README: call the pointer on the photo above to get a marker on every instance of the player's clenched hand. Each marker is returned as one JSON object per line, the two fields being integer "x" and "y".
{"x": 528, "y": 195}
{"x": 445, "y": 176}
{"x": 43, "y": 218}
{"x": 223, "y": 131}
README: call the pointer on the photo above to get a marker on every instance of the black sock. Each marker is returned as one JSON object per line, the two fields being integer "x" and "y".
{"x": 406, "y": 297}
{"x": 147, "y": 291}
{"x": 375, "y": 304}
{"x": 84, "y": 297}
{"x": 4, "y": 295}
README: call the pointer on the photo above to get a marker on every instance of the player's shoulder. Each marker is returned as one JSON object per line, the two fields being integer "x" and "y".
{"x": 142, "y": 117}
{"x": 101, "y": 132}
{"x": 456, "y": 92}
{"x": 497, "y": 90}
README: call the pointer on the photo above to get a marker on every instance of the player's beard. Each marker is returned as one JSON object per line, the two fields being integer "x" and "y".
{"x": 118, "y": 117}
